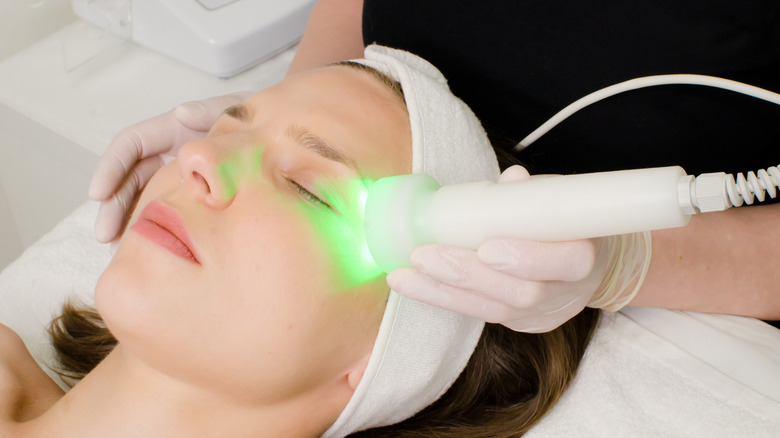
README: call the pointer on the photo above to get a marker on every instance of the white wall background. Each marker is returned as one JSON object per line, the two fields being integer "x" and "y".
{"x": 23, "y": 22}
{"x": 10, "y": 245}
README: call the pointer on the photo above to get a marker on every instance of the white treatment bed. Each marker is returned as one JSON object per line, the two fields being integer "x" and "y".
{"x": 647, "y": 372}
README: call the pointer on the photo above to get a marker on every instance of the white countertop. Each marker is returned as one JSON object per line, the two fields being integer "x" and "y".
{"x": 120, "y": 87}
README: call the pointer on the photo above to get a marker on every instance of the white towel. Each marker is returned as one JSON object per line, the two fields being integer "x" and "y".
{"x": 634, "y": 382}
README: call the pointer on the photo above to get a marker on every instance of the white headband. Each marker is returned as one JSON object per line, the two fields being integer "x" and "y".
{"x": 420, "y": 349}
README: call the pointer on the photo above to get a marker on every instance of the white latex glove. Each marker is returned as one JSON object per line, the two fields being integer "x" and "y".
{"x": 525, "y": 285}
{"x": 138, "y": 151}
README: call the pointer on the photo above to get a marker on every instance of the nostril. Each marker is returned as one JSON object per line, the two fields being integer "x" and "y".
{"x": 200, "y": 179}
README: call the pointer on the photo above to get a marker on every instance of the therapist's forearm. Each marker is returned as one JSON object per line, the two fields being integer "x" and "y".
{"x": 726, "y": 262}
{"x": 334, "y": 33}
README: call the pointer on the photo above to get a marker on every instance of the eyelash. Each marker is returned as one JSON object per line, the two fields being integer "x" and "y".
{"x": 309, "y": 196}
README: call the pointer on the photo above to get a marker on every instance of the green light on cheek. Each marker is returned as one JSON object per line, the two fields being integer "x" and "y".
{"x": 343, "y": 231}
{"x": 241, "y": 164}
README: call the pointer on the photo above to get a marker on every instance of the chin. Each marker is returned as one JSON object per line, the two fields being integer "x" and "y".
{"x": 126, "y": 293}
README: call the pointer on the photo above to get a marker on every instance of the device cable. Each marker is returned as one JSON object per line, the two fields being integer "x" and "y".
{"x": 709, "y": 191}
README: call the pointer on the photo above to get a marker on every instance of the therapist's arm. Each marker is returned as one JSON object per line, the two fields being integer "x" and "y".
{"x": 334, "y": 33}
{"x": 726, "y": 262}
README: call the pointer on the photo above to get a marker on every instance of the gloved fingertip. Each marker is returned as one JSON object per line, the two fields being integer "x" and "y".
{"x": 514, "y": 173}
{"x": 97, "y": 185}
{"x": 103, "y": 234}
{"x": 395, "y": 278}
{"x": 186, "y": 112}
{"x": 496, "y": 255}
{"x": 113, "y": 246}
{"x": 411, "y": 284}
{"x": 424, "y": 256}
{"x": 419, "y": 254}
{"x": 105, "y": 180}
{"x": 198, "y": 116}
{"x": 106, "y": 227}
{"x": 96, "y": 191}
{"x": 525, "y": 328}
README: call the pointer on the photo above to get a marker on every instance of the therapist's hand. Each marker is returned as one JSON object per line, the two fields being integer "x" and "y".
{"x": 138, "y": 151}
{"x": 525, "y": 285}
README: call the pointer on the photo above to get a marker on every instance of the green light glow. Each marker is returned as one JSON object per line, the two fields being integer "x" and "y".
{"x": 246, "y": 162}
{"x": 341, "y": 229}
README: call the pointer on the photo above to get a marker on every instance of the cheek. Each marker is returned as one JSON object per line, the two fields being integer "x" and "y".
{"x": 271, "y": 270}
{"x": 281, "y": 269}
{"x": 287, "y": 247}
{"x": 277, "y": 255}
{"x": 270, "y": 344}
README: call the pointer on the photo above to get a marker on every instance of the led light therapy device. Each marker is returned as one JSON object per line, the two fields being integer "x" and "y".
{"x": 405, "y": 211}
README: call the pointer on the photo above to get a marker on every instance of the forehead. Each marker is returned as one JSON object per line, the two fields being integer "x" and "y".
{"x": 356, "y": 111}
{"x": 352, "y": 81}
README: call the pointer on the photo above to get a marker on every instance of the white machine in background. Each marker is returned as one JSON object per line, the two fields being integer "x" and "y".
{"x": 219, "y": 37}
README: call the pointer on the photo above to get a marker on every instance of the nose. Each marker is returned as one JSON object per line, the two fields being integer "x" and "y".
{"x": 202, "y": 170}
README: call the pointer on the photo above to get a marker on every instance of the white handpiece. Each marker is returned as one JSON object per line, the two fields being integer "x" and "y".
{"x": 405, "y": 211}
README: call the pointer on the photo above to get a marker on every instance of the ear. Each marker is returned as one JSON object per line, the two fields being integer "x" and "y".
{"x": 356, "y": 373}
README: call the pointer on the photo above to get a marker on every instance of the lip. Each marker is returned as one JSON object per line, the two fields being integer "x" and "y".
{"x": 163, "y": 226}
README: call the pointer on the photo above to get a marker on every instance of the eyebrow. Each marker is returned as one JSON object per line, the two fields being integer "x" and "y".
{"x": 240, "y": 112}
{"x": 319, "y": 146}
{"x": 300, "y": 136}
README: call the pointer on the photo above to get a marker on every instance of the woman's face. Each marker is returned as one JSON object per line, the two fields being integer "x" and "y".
{"x": 260, "y": 311}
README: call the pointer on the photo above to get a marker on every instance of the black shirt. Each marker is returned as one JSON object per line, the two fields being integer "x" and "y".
{"x": 516, "y": 63}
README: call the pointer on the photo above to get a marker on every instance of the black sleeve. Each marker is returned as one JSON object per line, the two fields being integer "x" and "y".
{"x": 516, "y": 63}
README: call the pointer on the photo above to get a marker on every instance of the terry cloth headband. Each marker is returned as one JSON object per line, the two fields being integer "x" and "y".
{"x": 420, "y": 349}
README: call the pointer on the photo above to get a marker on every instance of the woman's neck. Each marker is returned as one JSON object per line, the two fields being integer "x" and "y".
{"x": 123, "y": 397}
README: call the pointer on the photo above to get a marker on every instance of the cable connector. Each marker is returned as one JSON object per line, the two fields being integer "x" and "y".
{"x": 708, "y": 192}
{"x": 703, "y": 194}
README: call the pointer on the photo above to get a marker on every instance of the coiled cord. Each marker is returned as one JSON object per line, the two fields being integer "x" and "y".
{"x": 745, "y": 189}
{"x": 720, "y": 191}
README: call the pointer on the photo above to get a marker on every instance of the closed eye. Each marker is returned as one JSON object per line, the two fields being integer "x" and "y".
{"x": 308, "y": 196}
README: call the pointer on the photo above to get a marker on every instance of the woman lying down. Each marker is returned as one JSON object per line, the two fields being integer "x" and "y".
{"x": 251, "y": 326}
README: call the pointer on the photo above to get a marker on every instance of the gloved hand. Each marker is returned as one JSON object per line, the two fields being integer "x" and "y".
{"x": 138, "y": 151}
{"x": 527, "y": 286}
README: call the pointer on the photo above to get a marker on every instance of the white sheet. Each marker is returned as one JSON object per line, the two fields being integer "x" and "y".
{"x": 647, "y": 373}
{"x": 637, "y": 383}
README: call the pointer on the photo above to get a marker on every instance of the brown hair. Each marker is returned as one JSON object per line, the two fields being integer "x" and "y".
{"x": 511, "y": 381}
{"x": 81, "y": 341}
{"x": 391, "y": 83}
